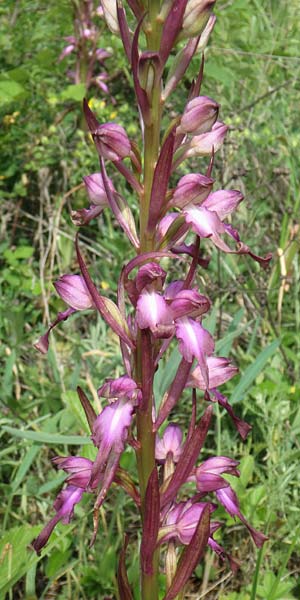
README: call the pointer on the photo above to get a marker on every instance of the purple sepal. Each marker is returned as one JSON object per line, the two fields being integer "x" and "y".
{"x": 66, "y": 51}
{"x": 229, "y": 499}
{"x": 87, "y": 407}
{"x": 189, "y": 303}
{"x": 177, "y": 386}
{"x": 208, "y": 474}
{"x": 187, "y": 459}
{"x": 223, "y": 202}
{"x": 220, "y": 370}
{"x": 124, "y": 30}
{"x": 150, "y": 523}
{"x": 192, "y": 188}
{"x": 64, "y": 506}
{"x": 141, "y": 95}
{"x": 108, "y": 310}
{"x": 171, "y": 29}
{"x": 184, "y": 516}
{"x": 205, "y": 143}
{"x": 122, "y": 577}
{"x": 242, "y": 427}
{"x": 120, "y": 209}
{"x": 160, "y": 180}
{"x": 147, "y": 275}
{"x": 170, "y": 444}
{"x": 96, "y": 190}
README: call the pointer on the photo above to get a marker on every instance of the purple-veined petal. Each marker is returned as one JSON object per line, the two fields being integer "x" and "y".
{"x": 220, "y": 370}
{"x": 204, "y": 222}
{"x": 223, "y": 202}
{"x": 152, "y": 310}
{"x": 64, "y": 506}
{"x": 110, "y": 427}
{"x": 169, "y": 444}
{"x": 73, "y": 290}
{"x": 195, "y": 342}
{"x": 229, "y": 499}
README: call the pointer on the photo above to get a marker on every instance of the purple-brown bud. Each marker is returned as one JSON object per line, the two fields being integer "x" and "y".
{"x": 199, "y": 116}
{"x": 96, "y": 190}
{"x": 111, "y": 141}
{"x": 192, "y": 188}
{"x": 73, "y": 290}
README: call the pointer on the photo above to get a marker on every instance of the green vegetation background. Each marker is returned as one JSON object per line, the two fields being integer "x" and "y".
{"x": 253, "y": 70}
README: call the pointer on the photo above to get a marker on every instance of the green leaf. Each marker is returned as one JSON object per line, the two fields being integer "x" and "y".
{"x": 253, "y": 371}
{"x": 15, "y": 555}
{"x": 47, "y": 438}
{"x": 10, "y": 90}
{"x": 74, "y": 92}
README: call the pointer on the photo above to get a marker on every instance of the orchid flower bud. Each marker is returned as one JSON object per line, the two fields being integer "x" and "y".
{"x": 169, "y": 444}
{"x": 72, "y": 289}
{"x": 96, "y": 191}
{"x": 111, "y": 141}
{"x": 192, "y": 188}
{"x": 199, "y": 116}
{"x": 195, "y": 18}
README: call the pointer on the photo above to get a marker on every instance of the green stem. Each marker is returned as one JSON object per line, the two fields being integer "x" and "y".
{"x": 144, "y": 353}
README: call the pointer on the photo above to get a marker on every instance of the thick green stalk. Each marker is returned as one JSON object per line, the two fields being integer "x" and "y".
{"x": 145, "y": 435}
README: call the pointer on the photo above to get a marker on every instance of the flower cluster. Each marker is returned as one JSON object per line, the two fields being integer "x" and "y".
{"x": 176, "y": 494}
{"x": 84, "y": 45}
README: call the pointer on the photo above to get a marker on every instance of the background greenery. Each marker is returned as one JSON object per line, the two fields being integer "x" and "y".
{"x": 253, "y": 70}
